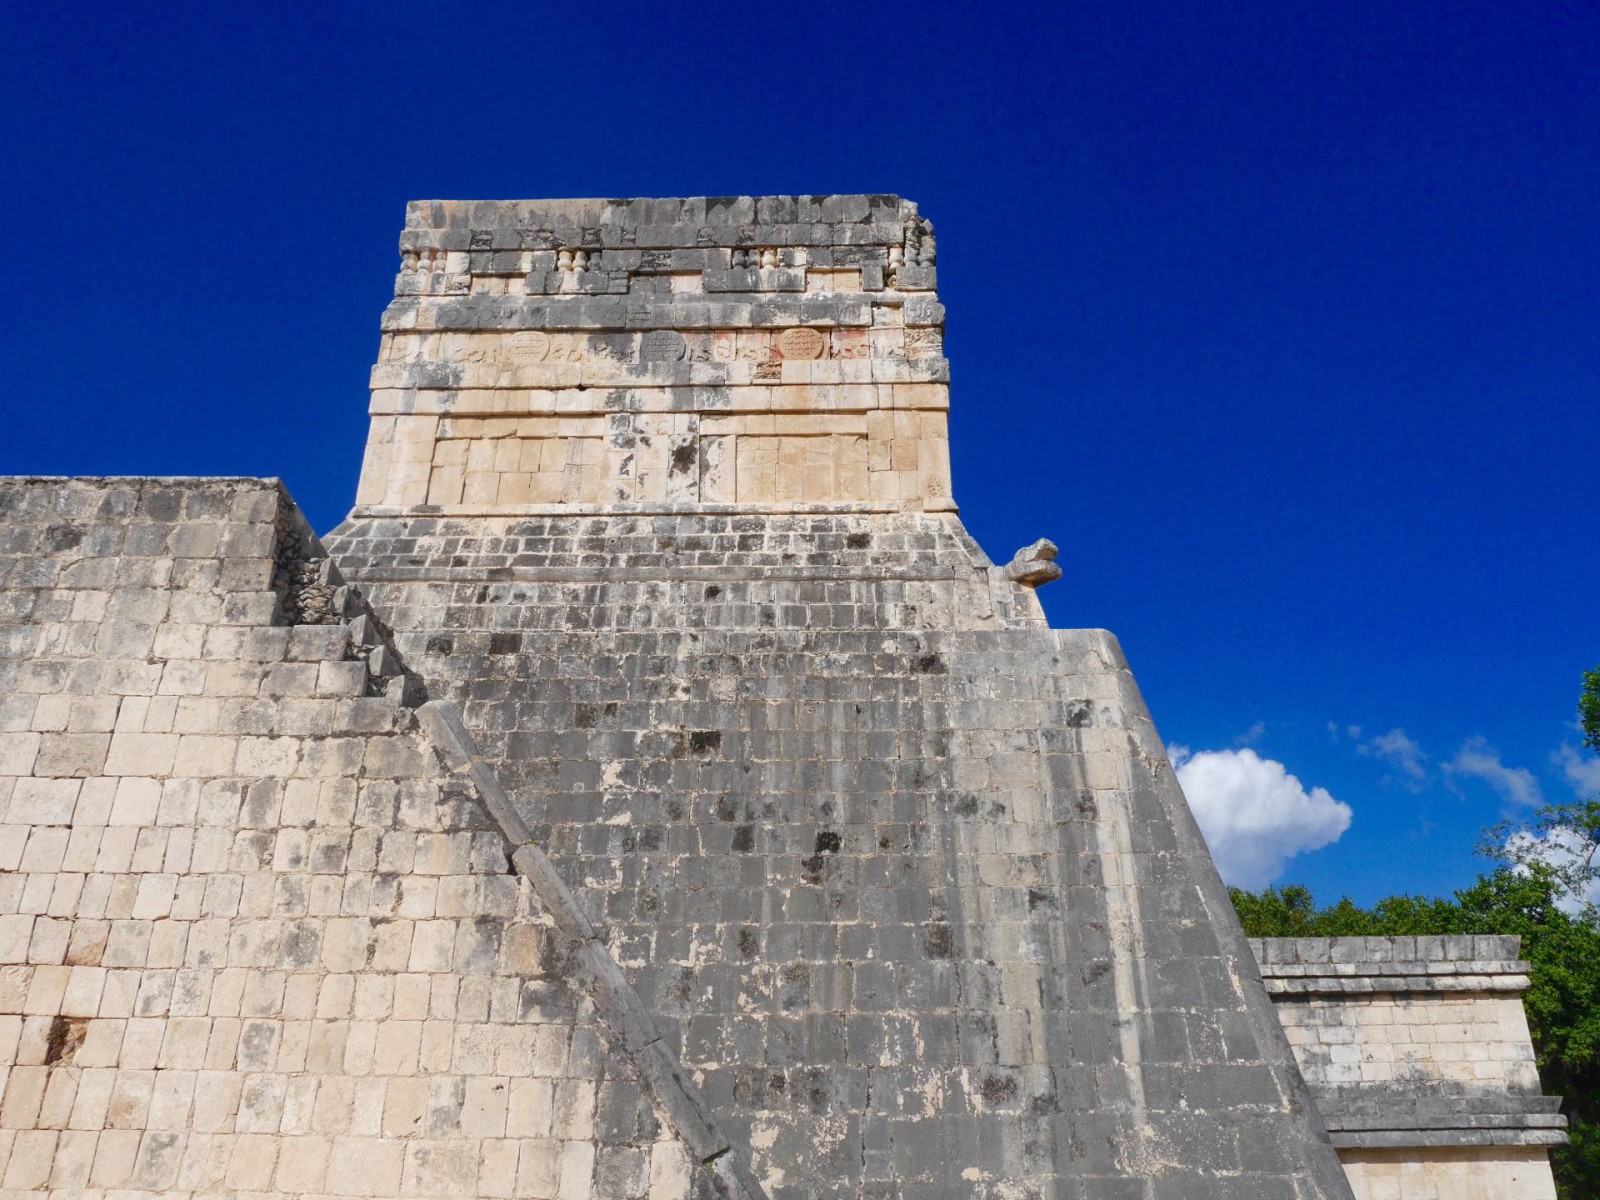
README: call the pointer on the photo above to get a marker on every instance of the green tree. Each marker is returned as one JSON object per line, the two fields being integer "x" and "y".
{"x": 1542, "y": 888}
{"x": 1589, "y": 709}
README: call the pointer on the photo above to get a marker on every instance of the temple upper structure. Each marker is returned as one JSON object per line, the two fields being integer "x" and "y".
{"x": 773, "y": 354}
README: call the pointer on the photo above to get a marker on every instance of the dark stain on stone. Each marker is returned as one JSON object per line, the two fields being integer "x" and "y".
{"x": 929, "y": 664}
{"x": 744, "y": 839}
{"x": 828, "y": 842}
{"x": 441, "y": 645}
{"x": 505, "y": 643}
{"x": 937, "y": 941}
{"x": 1095, "y": 971}
{"x": 61, "y": 537}
{"x": 65, "y": 1036}
{"x": 813, "y": 868}
{"x": 997, "y": 1089}
{"x": 586, "y": 716}
{"x": 684, "y": 459}
{"x": 749, "y": 943}
{"x": 705, "y": 741}
{"x": 858, "y": 541}
{"x": 713, "y": 591}
{"x": 683, "y": 989}
{"x": 1041, "y": 898}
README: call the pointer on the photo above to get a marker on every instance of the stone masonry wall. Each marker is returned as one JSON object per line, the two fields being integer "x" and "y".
{"x": 254, "y": 940}
{"x": 1468, "y": 1040}
{"x": 662, "y": 355}
{"x": 1451, "y": 1173}
{"x": 656, "y": 500}
{"x": 1418, "y": 1052}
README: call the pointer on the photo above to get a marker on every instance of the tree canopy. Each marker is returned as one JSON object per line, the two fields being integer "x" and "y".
{"x": 1563, "y": 1000}
{"x": 1543, "y": 888}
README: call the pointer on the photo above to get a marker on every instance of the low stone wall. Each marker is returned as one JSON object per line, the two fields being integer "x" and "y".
{"x": 1418, "y": 1052}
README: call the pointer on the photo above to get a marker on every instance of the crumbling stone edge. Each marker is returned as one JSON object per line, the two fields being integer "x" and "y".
{"x": 615, "y": 999}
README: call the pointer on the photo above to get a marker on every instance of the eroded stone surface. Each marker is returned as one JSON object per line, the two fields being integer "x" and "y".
{"x": 902, "y": 877}
{"x": 662, "y": 356}
{"x": 254, "y": 939}
{"x": 777, "y": 848}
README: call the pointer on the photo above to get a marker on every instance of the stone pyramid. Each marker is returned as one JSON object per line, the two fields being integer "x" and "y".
{"x": 869, "y": 883}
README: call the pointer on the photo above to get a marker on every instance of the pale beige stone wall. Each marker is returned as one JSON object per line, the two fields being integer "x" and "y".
{"x": 1418, "y": 1052}
{"x": 825, "y": 439}
{"x": 253, "y": 941}
{"x": 640, "y": 374}
{"x": 1471, "y": 1039}
{"x": 1459, "y": 1173}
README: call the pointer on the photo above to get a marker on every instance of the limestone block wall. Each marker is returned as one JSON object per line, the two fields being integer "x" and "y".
{"x": 658, "y": 355}
{"x": 1418, "y": 1052}
{"x": 903, "y": 878}
{"x": 1451, "y": 1173}
{"x": 1467, "y": 1039}
{"x": 254, "y": 940}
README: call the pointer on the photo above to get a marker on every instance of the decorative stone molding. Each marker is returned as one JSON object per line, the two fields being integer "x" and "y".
{"x": 574, "y": 313}
{"x": 1034, "y": 565}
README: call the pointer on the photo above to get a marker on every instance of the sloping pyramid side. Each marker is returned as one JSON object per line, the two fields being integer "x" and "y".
{"x": 904, "y": 881}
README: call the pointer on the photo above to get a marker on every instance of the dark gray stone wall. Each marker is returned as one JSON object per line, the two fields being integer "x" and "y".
{"x": 903, "y": 878}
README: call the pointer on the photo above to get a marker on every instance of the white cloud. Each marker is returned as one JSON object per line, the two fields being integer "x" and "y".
{"x": 1478, "y": 760}
{"x": 1563, "y": 849}
{"x": 1401, "y": 753}
{"x": 1254, "y": 814}
{"x": 1582, "y": 770}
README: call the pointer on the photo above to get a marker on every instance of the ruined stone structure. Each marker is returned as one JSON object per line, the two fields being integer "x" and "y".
{"x": 650, "y": 790}
{"x": 1418, "y": 1054}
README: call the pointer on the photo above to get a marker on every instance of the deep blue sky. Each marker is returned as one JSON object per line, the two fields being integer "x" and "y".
{"x": 1280, "y": 319}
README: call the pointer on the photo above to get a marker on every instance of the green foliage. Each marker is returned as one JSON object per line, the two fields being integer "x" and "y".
{"x": 1561, "y": 840}
{"x": 1589, "y": 709}
{"x": 1563, "y": 1000}
{"x": 1546, "y": 869}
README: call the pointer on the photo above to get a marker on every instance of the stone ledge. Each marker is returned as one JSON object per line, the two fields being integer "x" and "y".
{"x": 1369, "y": 981}
{"x": 1404, "y": 1139}
{"x": 622, "y": 510}
{"x": 1458, "y": 948}
{"x": 1380, "y": 1107}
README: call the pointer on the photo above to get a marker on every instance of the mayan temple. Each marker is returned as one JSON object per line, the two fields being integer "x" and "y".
{"x": 650, "y": 790}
